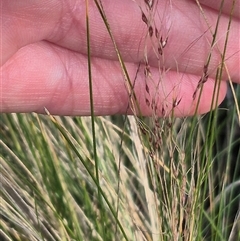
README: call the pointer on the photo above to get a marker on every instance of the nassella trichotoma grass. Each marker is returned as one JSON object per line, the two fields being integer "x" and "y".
{"x": 139, "y": 178}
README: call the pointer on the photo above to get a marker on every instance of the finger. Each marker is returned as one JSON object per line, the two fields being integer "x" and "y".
{"x": 43, "y": 75}
{"x": 225, "y": 6}
{"x": 63, "y": 23}
{"x": 25, "y": 22}
{"x": 182, "y": 23}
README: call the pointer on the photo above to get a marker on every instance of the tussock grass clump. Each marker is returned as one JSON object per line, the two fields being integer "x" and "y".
{"x": 125, "y": 177}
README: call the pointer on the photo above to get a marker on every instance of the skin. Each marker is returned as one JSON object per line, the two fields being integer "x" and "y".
{"x": 44, "y": 56}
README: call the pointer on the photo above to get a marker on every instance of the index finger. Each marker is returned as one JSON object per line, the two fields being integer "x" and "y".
{"x": 189, "y": 36}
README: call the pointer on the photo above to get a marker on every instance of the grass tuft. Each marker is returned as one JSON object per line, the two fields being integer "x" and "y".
{"x": 123, "y": 177}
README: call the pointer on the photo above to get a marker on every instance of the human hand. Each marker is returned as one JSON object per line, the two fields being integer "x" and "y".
{"x": 44, "y": 56}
